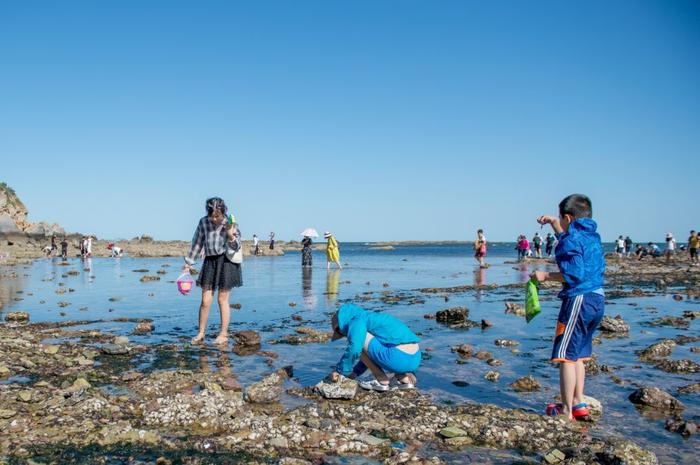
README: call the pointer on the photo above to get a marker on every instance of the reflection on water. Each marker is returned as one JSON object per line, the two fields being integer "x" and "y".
{"x": 332, "y": 281}
{"x": 307, "y": 288}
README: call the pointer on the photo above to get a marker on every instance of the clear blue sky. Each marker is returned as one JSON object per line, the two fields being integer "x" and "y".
{"x": 376, "y": 120}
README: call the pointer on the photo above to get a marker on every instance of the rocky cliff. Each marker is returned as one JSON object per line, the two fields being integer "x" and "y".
{"x": 13, "y": 216}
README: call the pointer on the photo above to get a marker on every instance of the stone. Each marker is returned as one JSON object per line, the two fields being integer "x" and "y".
{"x": 689, "y": 388}
{"x": 486, "y": 324}
{"x": 514, "y": 309}
{"x": 683, "y": 427}
{"x": 452, "y": 315}
{"x": 463, "y": 350}
{"x": 678, "y": 366}
{"x": 51, "y": 350}
{"x": 656, "y": 398}
{"x": 492, "y": 376}
{"x": 453, "y": 432}
{"x": 231, "y": 384}
{"x": 554, "y": 456}
{"x": 614, "y": 325}
{"x": 24, "y": 396}
{"x": 147, "y": 278}
{"x": 4, "y": 371}
{"x": 658, "y": 350}
{"x": 506, "y": 343}
{"x": 84, "y": 361}
{"x": 266, "y": 391}
{"x": 143, "y": 327}
{"x": 120, "y": 340}
{"x": 494, "y": 362}
{"x": 17, "y": 317}
{"x": 114, "y": 349}
{"x": 691, "y": 314}
{"x": 279, "y": 442}
{"x": 247, "y": 338}
{"x": 483, "y": 355}
{"x": 526, "y": 384}
{"x": 595, "y": 407}
{"x": 371, "y": 441}
{"x": 344, "y": 389}
{"x": 674, "y": 321}
{"x": 7, "y": 413}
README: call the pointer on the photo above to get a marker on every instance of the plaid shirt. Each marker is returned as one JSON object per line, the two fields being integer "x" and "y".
{"x": 212, "y": 239}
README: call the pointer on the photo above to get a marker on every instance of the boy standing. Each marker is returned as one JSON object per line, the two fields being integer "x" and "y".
{"x": 579, "y": 255}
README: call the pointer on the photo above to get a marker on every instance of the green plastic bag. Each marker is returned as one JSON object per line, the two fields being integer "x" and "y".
{"x": 532, "y": 300}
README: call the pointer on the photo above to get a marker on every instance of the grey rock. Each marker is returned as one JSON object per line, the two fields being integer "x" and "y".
{"x": 614, "y": 325}
{"x": 344, "y": 389}
{"x": 656, "y": 398}
{"x": 114, "y": 349}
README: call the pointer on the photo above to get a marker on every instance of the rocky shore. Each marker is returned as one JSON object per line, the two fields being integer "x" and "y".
{"x": 84, "y": 401}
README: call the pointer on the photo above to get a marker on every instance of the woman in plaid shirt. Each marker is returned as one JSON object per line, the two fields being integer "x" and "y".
{"x": 212, "y": 236}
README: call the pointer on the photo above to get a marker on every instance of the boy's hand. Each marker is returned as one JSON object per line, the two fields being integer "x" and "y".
{"x": 547, "y": 219}
{"x": 540, "y": 276}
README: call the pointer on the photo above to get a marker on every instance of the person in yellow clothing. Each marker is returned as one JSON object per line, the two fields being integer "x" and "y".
{"x": 332, "y": 250}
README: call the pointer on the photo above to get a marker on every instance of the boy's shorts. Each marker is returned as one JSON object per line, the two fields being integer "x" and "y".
{"x": 578, "y": 319}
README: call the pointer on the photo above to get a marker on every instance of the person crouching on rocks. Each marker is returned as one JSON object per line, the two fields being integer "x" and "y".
{"x": 213, "y": 235}
{"x": 379, "y": 342}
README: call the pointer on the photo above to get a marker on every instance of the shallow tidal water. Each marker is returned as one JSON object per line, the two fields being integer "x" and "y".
{"x": 111, "y": 289}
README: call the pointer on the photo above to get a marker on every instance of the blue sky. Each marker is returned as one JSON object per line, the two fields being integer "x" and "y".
{"x": 376, "y": 120}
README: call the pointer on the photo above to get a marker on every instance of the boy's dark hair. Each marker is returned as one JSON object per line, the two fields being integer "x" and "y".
{"x": 576, "y": 205}
{"x": 216, "y": 203}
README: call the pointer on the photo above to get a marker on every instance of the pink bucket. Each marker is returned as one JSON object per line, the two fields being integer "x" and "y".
{"x": 184, "y": 283}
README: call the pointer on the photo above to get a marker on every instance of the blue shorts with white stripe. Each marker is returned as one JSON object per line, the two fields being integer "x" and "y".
{"x": 578, "y": 319}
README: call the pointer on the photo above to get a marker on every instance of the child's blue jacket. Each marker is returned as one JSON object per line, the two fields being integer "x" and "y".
{"x": 355, "y": 322}
{"x": 579, "y": 255}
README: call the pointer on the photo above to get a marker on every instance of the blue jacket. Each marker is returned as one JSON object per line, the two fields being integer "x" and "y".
{"x": 355, "y": 322}
{"x": 579, "y": 255}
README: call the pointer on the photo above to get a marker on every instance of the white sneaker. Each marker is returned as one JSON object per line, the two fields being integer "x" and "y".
{"x": 374, "y": 385}
{"x": 396, "y": 384}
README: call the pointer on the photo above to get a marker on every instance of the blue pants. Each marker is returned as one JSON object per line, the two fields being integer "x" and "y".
{"x": 389, "y": 358}
{"x": 578, "y": 319}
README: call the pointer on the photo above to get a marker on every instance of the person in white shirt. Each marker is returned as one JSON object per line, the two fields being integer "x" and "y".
{"x": 670, "y": 247}
{"x": 620, "y": 246}
{"x": 255, "y": 244}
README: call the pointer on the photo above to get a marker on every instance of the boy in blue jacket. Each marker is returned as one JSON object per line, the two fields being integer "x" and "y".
{"x": 379, "y": 342}
{"x": 579, "y": 255}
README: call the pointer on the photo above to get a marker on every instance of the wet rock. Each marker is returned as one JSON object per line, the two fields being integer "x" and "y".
{"x": 452, "y": 315}
{"x": 656, "y": 398}
{"x": 674, "y": 321}
{"x": 483, "y": 355}
{"x": 683, "y": 339}
{"x": 463, "y": 350}
{"x": 689, "y": 388}
{"x": 554, "y": 456}
{"x": 486, "y": 324}
{"x": 63, "y": 304}
{"x": 344, "y": 389}
{"x": 691, "y": 314}
{"x": 506, "y": 343}
{"x": 526, "y": 384}
{"x": 683, "y": 427}
{"x": 304, "y": 335}
{"x": 678, "y": 366}
{"x": 236, "y": 306}
{"x": 114, "y": 349}
{"x": 453, "y": 432}
{"x": 17, "y": 317}
{"x": 120, "y": 340}
{"x": 78, "y": 385}
{"x": 514, "y": 309}
{"x": 494, "y": 362}
{"x": 372, "y": 441}
{"x": 460, "y": 383}
{"x": 247, "y": 338}
{"x": 266, "y": 391}
{"x": 658, "y": 350}
{"x": 595, "y": 407}
{"x": 148, "y": 278}
{"x": 143, "y": 327}
{"x": 614, "y": 325}
{"x": 231, "y": 384}
{"x": 492, "y": 376}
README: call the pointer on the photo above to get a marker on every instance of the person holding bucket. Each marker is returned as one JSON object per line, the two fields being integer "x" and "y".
{"x": 217, "y": 237}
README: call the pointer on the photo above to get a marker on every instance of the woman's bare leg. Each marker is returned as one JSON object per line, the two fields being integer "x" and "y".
{"x": 207, "y": 296}
{"x": 225, "y": 309}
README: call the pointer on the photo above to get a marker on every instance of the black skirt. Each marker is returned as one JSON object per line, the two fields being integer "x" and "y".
{"x": 219, "y": 273}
